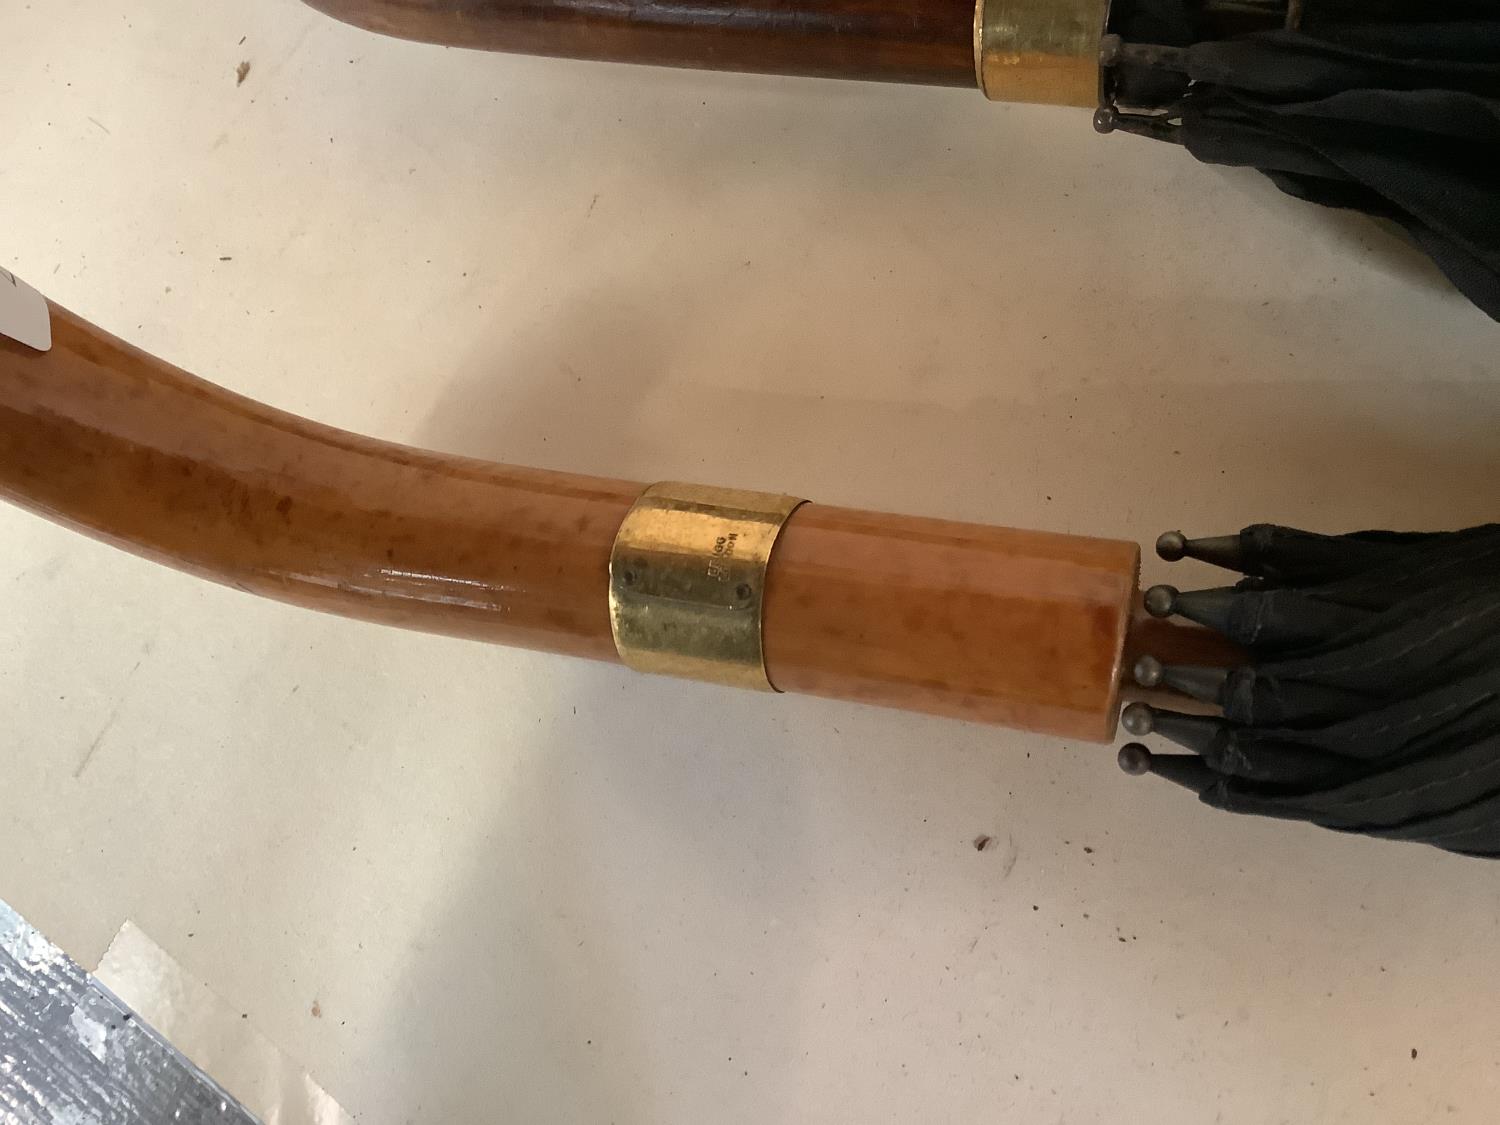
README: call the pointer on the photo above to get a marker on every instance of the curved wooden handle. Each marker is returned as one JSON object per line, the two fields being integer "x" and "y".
{"x": 1021, "y": 628}
{"x": 106, "y": 439}
{"x": 920, "y": 41}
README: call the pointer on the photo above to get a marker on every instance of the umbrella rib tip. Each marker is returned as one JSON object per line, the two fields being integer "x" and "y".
{"x": 1147, "y": 671}
{"x": 1161, "y": 601}
{"x": 1134, "y": 759}
{"x": 1138, "y": 719}
{"x": 1171, "y": 546}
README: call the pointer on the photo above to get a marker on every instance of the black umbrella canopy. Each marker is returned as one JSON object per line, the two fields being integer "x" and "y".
{"x": 1370, "y": 697}
{"x": 1390, "y": 107}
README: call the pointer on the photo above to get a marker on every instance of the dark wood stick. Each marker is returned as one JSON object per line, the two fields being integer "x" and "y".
{"x": 920, "y": 41}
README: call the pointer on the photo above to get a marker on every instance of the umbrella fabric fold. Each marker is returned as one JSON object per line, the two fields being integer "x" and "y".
{"x": 1392, "y": 109}
{"x": 1369, "y": 700}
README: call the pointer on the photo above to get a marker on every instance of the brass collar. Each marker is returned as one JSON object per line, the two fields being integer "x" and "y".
{"x": 687, "y": 582}
{"x": 1043, "y": 51}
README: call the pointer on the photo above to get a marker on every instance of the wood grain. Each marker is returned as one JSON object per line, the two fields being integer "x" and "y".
{"x": 1020, "y": 628}
{"x": 102, "y": 437}
{"x": 921, "y": 41}
{"x": 991, "y": 624}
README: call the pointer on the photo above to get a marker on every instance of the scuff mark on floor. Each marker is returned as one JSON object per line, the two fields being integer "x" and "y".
{"x": 99, "y": 738}
{"x": 1012, "y": 854}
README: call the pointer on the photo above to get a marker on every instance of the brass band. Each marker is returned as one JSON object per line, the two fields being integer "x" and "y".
{"x": 1039, "y": 50}
{"x": 687, "y": 580}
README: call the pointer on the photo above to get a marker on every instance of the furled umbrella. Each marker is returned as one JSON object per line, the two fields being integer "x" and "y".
{"x": 1369, "y": 697}
{"x": 1390, "y": 107}
{"x": 1353, "y": 681}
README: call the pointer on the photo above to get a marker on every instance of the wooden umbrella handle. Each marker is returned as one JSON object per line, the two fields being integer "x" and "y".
{"x": 1014, "y": 50}
{"x": 1021, "y": 628}
{"x": 98, "y": 435}
{"x": 920, "y": 41}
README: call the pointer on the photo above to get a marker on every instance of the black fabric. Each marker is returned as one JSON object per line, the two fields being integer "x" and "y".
{"x": 1388, "y": 108}
{"x": 1387, "y": 726}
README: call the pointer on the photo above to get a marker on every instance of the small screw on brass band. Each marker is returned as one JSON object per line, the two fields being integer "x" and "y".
{"x": 687, "y": 580}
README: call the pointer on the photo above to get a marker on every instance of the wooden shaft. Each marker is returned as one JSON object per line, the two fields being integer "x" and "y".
{"x": 921, "y": 41}
{"x": 102, "y": 437}
{"x": 1021, "y": 628}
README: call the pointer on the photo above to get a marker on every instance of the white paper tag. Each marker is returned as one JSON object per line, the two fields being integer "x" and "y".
{"x": 24, "y": 315}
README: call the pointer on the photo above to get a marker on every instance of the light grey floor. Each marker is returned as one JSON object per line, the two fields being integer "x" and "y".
{"x": 466, "y": 884}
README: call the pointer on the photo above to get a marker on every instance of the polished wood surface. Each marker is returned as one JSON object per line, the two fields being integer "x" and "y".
{"x": 922, "y": 41}
{"x": 102, "y": 437}
{"x": 1020, "y": 628}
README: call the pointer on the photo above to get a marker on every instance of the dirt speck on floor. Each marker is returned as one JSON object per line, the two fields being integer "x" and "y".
{"x": 317, "y": 1010}
{"x": 241, "y": 73}
{"x": 981, "y": 842}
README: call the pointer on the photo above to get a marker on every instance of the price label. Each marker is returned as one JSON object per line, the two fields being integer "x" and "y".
{"x": 24, "y": 315}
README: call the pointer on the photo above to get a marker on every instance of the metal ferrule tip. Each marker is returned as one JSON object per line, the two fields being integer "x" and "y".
{"x": 1203, "y": 684}
{"x": 1212, "y": 608}
{"x": 1198, "y": 733}
{"x": 1220, "y": 550}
